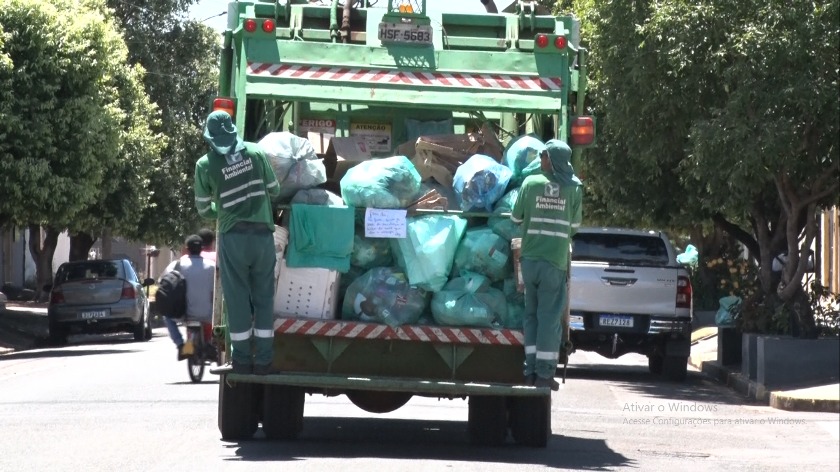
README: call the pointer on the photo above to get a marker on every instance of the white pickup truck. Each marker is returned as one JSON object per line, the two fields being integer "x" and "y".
{"x": 628, "y": 294}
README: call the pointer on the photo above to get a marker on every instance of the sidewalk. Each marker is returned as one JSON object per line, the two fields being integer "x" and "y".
{"x": 823, "y": 398}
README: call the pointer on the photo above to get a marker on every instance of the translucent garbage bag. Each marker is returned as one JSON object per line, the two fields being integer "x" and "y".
{"x": 469, "y": 300}
{"x": 480, "y": 182}
{"x": 428, "y": 250}
{"x": 689, "y": 257}
{"x": 515, "y": 304}
{"x": 384, "y": 295}
{"x": 370, "y": 252}
{"x": 392, "y": 182}
{"x": 484, "y": 252}
{"x": 294, "y": 161}
{"x": 729, "y": 310}
{"x": 523, "y": 153}
{"x": 503, "y": 225}
{"x": 317, "y": 196}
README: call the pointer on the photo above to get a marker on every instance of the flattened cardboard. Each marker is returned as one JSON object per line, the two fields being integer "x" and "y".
{"x": 342, "y": 154}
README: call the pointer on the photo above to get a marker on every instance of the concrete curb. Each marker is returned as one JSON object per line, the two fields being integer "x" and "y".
{"x": 783, "y": 402}
{"x": 817, "y": 399}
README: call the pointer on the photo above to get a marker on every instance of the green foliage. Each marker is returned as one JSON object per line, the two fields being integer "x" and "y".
{"x": 181, "y": 60}
{"x": 61, "y": 121}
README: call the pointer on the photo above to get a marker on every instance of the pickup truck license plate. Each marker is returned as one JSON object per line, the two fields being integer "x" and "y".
{"x": 90, "y": 315}
{"x": 621, "y": 321}
{"x": 405, "y": 33}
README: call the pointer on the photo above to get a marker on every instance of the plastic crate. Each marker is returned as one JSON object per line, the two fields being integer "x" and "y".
{"x": 306, "y": 292}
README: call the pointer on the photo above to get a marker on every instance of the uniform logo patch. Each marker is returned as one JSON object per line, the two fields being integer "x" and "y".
{"x": 552, "y": 189}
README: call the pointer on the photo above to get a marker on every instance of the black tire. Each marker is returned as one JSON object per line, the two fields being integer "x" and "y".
{"x": 282, "y": 415}
{"x": 195, "y": 367}
{"x": 142, "y": 327}
{"x": 487, "y": 421}
{"x": 530, "y": 420}
{"x": 675, "y": 368}
{"x": 237, "y": 415}
{"x": 57, "y": 334}
{"x": 655, "y": 363}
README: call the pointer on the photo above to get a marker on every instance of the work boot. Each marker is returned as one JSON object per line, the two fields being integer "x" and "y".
{"x": 530, "y": 379}
{"x": 547, "y": 382}
{"x": 241, "y": 368}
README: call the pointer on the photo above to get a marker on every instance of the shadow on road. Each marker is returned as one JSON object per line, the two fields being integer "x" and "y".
{"x": 47, "y": 353}
{"x": 696, "y": 388}
{"x": 382, "y": 438}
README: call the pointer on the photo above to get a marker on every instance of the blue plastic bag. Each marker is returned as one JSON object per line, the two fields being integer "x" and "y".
{"x": 728, "y": 312}
{"x": 480, "y": 182}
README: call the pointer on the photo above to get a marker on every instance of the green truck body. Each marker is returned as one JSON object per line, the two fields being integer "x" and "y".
{"x": 292, "y": 66}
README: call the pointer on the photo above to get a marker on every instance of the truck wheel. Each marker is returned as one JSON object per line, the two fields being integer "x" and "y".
{"x": 487, "y": 421}
{"x": 530, "y": 420}
{"x": 655, "y": 363}
{"x": 282, "y": 416}
{"x": 142, "y": 327}
{"x": 675, "y": 368}
{"x": 237, "y": 415}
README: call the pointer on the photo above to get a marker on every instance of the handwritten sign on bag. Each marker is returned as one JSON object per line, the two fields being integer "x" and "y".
{"x": 381, "y": 223}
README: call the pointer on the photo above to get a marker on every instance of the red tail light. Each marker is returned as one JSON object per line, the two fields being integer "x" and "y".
{"x": 268, "y": 26}
{"x": 57, "y": 296}
{"x": 250, "y": 25}
{"x": 128, "y": 291}
{"x": 583, "y": 130}
{"x": 684, "y": 292}
{"x": 560, "y": 42}
{"x": 542, "y": 40}
{"x": 224, "y": 104}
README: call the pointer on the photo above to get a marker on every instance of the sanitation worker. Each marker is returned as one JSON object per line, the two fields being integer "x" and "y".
{"x": 549, "y": 209}
{"x": 235, "y": 184}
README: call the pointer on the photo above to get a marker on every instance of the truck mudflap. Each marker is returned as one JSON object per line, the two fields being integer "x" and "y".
{"x": 340, "y": 384}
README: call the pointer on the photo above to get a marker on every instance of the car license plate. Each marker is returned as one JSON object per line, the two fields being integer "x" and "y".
{"x": 621, "y": 321}
{"x": 405, "y": 33}
{"x": 90, "y": 315}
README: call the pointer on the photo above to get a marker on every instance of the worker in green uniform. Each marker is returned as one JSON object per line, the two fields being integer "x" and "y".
{"x": 549, "y": 209}
{"x": 235, "y": 184}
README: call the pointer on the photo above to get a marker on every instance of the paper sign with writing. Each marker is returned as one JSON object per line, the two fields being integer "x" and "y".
{"x": 381, "y": 223}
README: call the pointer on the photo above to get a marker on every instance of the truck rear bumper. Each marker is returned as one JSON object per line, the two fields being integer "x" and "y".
{"x": 339, "y": 384}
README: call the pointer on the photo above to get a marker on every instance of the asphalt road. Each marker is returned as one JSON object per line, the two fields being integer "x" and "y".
{"x": 108, "y": 403}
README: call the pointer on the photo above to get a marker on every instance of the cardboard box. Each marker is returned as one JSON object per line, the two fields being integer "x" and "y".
{"x": 344, "y": 153}
{"x": 306, "y": 292}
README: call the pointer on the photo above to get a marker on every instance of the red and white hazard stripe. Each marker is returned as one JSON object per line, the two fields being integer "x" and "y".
{"x": 387, "y": 76}
{"x": 435, "y": 334}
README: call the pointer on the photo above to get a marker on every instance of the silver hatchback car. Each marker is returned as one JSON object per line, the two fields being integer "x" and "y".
{"x": 98, "y": 296}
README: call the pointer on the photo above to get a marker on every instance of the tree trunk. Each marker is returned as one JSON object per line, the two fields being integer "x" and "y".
{"x": 106, "y": 243}
{"x": 80, "y": 245}
{"x": 42, "y": 254}
{"x": 802, "y": 322}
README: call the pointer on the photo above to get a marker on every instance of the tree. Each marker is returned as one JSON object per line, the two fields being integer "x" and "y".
{"x": 731, "y": 105}
{"x": 181, "y": 59}
{"x": 63, "y": 126}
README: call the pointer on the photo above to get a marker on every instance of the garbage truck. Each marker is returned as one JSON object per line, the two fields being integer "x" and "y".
{"x": 363, "y": 82}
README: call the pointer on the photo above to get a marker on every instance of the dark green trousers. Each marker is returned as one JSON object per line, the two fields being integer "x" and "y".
{"x": 246, "y": 262}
